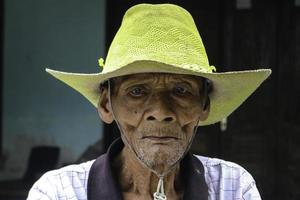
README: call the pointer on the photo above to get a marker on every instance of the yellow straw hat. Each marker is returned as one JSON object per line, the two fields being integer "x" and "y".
{"x": 163, "y": 38}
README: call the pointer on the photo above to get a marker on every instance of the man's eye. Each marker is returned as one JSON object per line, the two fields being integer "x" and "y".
{"x": 137, "y": 92}
{"x": 180, "y": 90}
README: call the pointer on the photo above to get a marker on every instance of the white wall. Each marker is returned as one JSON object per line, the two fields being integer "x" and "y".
{"x": 64, "y": 35}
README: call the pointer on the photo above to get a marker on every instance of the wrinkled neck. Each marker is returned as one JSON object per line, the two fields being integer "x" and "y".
{"x": 134, "y": 177}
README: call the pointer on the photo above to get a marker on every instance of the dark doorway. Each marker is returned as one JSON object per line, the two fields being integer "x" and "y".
{"x": 1, "y": 72}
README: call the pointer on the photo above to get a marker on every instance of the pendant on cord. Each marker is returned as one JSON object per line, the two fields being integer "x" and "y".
{"x": 160, "y": 193}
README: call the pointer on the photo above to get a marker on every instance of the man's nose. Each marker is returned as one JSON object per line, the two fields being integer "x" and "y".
{"x": 160, "y": 109}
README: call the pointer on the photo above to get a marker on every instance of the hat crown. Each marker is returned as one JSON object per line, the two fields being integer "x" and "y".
{"x": 163, "y": 33}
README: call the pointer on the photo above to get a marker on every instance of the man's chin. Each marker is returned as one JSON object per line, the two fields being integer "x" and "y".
{"x": 161, "y": 160}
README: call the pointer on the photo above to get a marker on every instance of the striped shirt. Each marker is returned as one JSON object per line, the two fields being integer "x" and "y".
{"x": 206, "y": 178}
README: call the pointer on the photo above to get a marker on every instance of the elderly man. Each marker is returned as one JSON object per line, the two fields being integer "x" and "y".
{"x": 158, "y": 86}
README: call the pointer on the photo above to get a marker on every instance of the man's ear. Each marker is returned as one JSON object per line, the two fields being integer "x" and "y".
{"x": 104, "y": 109}
{"x": 205, "y": 110}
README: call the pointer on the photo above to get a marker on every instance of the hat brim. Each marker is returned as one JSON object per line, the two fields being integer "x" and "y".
{"x": 230, "y": 89}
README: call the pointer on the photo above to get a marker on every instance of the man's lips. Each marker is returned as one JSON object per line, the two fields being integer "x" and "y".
{"x": 160, "y": 138}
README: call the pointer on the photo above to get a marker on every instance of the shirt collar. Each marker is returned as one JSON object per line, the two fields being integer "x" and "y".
{"x": 102, "y": 182}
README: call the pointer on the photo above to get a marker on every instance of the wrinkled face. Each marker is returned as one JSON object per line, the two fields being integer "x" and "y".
{"x": 157, "y": 114}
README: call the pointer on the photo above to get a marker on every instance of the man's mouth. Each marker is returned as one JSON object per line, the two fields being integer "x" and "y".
{"x": 160, "y": 138}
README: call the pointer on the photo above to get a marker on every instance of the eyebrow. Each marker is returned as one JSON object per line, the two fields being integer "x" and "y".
{"x": 193, "y": 82}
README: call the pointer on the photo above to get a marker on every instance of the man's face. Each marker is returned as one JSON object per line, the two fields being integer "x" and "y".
{"x": 157, "y": 114}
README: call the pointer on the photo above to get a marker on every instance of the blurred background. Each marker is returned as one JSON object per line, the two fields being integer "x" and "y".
{"x": 46, "y": 125}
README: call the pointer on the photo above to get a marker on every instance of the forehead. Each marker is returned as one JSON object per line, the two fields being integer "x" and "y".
{"x": 165, "y": 77}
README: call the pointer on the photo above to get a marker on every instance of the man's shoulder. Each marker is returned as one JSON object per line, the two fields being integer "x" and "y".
{"x": 216, "y": 168}
{"x": 209, "y": 162}
{"x": 225, "y": 179}
{"x": 71, "y": 169}
{"x": 61, "y": 183}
